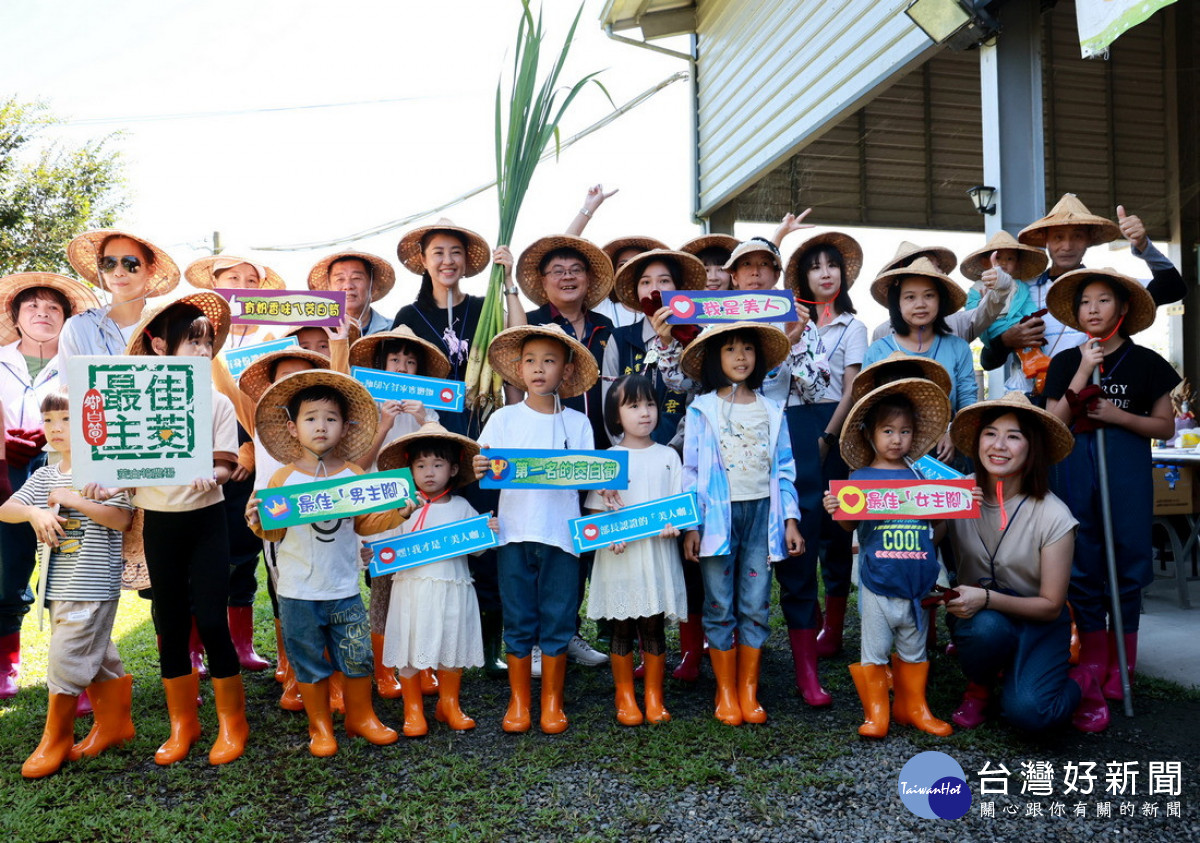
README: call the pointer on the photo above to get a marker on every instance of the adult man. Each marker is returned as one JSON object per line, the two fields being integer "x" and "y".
{"x": 365, "y": 278}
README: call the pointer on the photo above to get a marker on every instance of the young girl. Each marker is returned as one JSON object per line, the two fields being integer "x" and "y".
{"x": 433, "y": 619}
{"x": 737, "y": 458}
{"x": 187, "y": 545}
{"x": 639, "y": 585}
{"x": 713, "y": 250}
{"x": 1133, "y": 404}
{"x": 902, "y": 419}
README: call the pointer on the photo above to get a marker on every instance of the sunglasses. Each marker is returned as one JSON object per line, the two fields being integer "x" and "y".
{"x": 132, "y": 265}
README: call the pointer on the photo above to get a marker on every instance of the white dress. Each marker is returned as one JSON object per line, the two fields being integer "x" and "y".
{"x": 433, "y": 617}
{"x": 648, "y": 577}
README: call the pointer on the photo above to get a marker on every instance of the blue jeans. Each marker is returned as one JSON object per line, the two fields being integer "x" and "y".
{"x": 539, "y": 587}
{"x": 18, "y": 554}
{"x": 741, "y": 579}
{"x": 313, "y": 627}
{"x": 1036, "y": 693}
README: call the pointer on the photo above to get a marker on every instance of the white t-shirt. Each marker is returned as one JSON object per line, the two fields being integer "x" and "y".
{"x": 537, "y": 515}
{"x": 745, "y": 435}
{"x": 185, "y": 498}
{"x": 845, "y": 340}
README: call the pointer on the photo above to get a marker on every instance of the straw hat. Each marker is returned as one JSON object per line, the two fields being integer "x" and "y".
{"x": 920, "y": 268}
{"x": 256, "y": 378}
{"x": 202, "y": 272}
{"x": 710, "y": 241}
{"x": 1031, "y": 262}
{"x": 84, "y": 254}
{"x": 847, "y": 247}
{"x": 876, "y": 374}
{"x": 384, "y": 277}
{"x": 930, "y": 406}
{"x": 271, "y": 417}
{"x": 434, "y": 363}
{"x": 965, "y": 428}
{"x": 479, "y": 254}
{"x": 1061, "y": 298}
{"x": 749, "y": 247}
{"x": 774, "y": 344}
{"x": 643, "y": 244}
{"x": 1070, "y": 211}
{"x": 600, "y": 270}
{"x": 396, "y": 453}
{"x": 78, "y": 294}
{"x": 908, "y": 252}
{"x": 505, "y": 356}
{"x": 353, "y": 332}
{"x": 692, "y": 273}
{"x": 206, "y": 301}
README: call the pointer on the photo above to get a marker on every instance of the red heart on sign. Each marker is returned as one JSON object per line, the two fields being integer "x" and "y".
{"x": 590, "y": 532}
{"x": 851, "y": 500}
{"x": 387, "y": 556}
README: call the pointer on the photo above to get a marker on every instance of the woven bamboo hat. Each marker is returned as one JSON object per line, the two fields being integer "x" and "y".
{"x": 773, "y": 342}
{"x": 271, "y": 415}
{"x": 749, "y": 247}
{"x": 930, "y": 406}
{"x": 847, "y": 247}
{"x": 479, "y": 254}
{"x": 710, "y": 241}
{"x": 920, "y": 268}
{"x": 202, "y": 272}
{"x": 206, "y": 301}
{"x": 353, "y": 332}
{"x": 643, "y": 244}
{"x": 80, "y": 296}
{"x": 84, "y": 254}
{"x": 965, "y": 428}
{"x": 886, "y": 370}
{"x": 505, "y": 356}
{"x": 1031, "y": 262}
{"x": 691, "y": 273}
{"x": 256, "y": 379}
{"x": 383, "y": 277}
{"x": 907, "y": 252}
{"x": 397, "y": 453}
{"x": 600, "y": 269}
{"x": 1070, "y": 211}
{"x": 1061, "y": 298}
{"x": 434, "y": 364}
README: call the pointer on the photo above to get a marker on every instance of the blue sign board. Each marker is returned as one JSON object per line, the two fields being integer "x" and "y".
{"x": 430, "y": 545}
{"x": 237, "y": 360}
{"x": 532, "y": 468}
{"x": 630, "y": 523}
{"x": 394, "y": 386}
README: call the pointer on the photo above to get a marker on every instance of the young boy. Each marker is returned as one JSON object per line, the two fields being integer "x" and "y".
{"x": 81, "y": 587}
{"x": 315, "y": 422}
{"x": 538, "y": 566}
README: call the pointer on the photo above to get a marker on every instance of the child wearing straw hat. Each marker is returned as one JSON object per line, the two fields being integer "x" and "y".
{"x": 897, "y": 558}
{"x": 539, "y": 568}
{"x": 316, "y": 422}
{"x": 1132, "y": 403}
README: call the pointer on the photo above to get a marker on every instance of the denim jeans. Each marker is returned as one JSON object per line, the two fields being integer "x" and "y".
{"x": 313, "y": 627}
{"x": 539, "y": 587}
{"x": 737, "y": 585}
{"x": 18, "y": 555}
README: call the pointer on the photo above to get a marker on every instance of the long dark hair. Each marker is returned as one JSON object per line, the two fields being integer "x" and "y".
{"x": 712, "y": 376}
{"x": 1035, "y": 480}
{"x": 1119, "y": 293}
{"x": 939, "y": 322}
{"x": 425, "y": 294}
{"x": 807, "y": 261}
{"x": 181, "y": 322}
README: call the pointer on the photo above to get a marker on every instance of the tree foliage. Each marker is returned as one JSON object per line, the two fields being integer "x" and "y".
{"x": 50, "y": 191}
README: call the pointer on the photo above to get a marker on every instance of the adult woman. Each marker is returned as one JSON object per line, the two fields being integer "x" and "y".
{"x": 1010, "y": 620}
{"x": 621, "y": 251}
{"x": 713, "y": 250}
{"x": 233, "y": 273}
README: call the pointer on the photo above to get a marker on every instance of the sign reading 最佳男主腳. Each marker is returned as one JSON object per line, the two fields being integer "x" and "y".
{"x": 327, "y": 500}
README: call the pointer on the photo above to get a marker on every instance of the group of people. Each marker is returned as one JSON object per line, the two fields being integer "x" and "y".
{"x": 755, "y": 418}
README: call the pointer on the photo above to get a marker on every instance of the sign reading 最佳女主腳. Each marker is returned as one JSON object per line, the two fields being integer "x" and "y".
{"x": 327, "y": 500}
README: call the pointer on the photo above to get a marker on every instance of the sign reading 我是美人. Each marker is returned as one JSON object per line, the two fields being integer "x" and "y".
{"x": 720, "y": 307}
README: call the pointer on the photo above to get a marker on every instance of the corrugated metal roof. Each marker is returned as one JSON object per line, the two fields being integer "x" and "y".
{"x": 623, "y": 15}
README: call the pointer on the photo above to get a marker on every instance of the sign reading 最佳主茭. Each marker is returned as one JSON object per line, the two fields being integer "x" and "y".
{"x": 719, "y": 307}
{"x": 641, "y": 521}
{"x": 533, "y": 468}
{"x": 396, "y": 386}
{"x": 297, "y": 308}
{"x": 140, "y": 421}
{"x": 860, "y": 500}
{"x": 430, "y": 545}
{"x": 237, "y": 360}
{"x": 327, "y": 500}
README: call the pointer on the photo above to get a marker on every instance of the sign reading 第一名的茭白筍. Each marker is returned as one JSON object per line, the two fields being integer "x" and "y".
{"x": 327, "y": 500}
{"x": 535, "y": 468}
{"x": 295, "y": 308}
{"x": 720, "y": 307}
{"x": 430, "y": 545}
{"x": 631, "y": 523}
{"x": 237, "y": 360}
{"x": 397, "y": 386}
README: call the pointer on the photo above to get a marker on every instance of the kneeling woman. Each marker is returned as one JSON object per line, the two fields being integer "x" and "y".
{"x": 1010, "y": 620}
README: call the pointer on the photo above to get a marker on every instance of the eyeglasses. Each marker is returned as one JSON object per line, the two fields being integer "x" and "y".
{"x": 558, "y": 273}
{"x": 132, "y": 265}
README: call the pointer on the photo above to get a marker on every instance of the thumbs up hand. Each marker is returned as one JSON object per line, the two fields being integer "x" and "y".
{"x": 995, "y": 278}
{"x": 1133, "y": 229}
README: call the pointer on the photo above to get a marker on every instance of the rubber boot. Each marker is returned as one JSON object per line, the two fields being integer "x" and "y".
{"x": 281, "y": 659}
{"x": 517, "y": 718}
{"x": 656, "y": 668}
{"x": 1092, "y": 713}
{"x": 229, "y": 694}
{"x": 554, "y": 678}
{"x": 83, "y": 705}
{"x": 112, "y": 702}
{"x": 870, "y": 680}
{"x": 628, "y": 713}
{"x": 57, "y": 738}
{"x": 1073, "y": 648}
{"x": 385, "y": 677}
{"x": 804, "y": 659}
{"x": 1112, "y": 682}
{"x": 414, "y": 707}
{"x": 829, "y": 639}
{"x": 361, "y": 721}
{"x": 725, "y": 668}
{"x": 970, "y": 712}
{"x": 1093, "y": 653}
{"x": 691, "y": 648}
{"x": 290, "y": 699}
{"x": 241, "y": 630}
{"x": 185, "y": 725}
{"x": 749, "y": 660}
{"x": 321, "y": 740}
{"x": 10, "y": 664}
{"x": 448, "y": 710}
{"x": 429, "y": 682}
{"x": 196, "y": 651}
{"x": 910, "y": 707}
{"x": 492, "y": 626}
{"x": 337, "y": 698}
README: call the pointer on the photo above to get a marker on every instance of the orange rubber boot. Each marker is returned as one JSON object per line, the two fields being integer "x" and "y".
{"x": 910, "y": 707}
{"x": 628, "y": 713}
{"x": 725, "y": 668}
{"x": 57, "y": 738}
{"x": 414, "y": 707}
{"x": 321, "y": 740}
{"x": 113, "y": 726}
{"x": 448, "y": 710}
{"x": 361, "y": 721}
{"x": 554, "y": 677}
{"x": 337, "y": 696}
{"x": 656, "y": 667}
{"x": 281, "y": 659}
{"x": 230, "y": 696}
{"x": 749, "y": 659}
{"x": 429, "y": 682}
{"x": 870, "y": 680}
{"x": 385, "y": 677}
{"x": 520, "y": 671}
{"x": 185, "y": 725}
